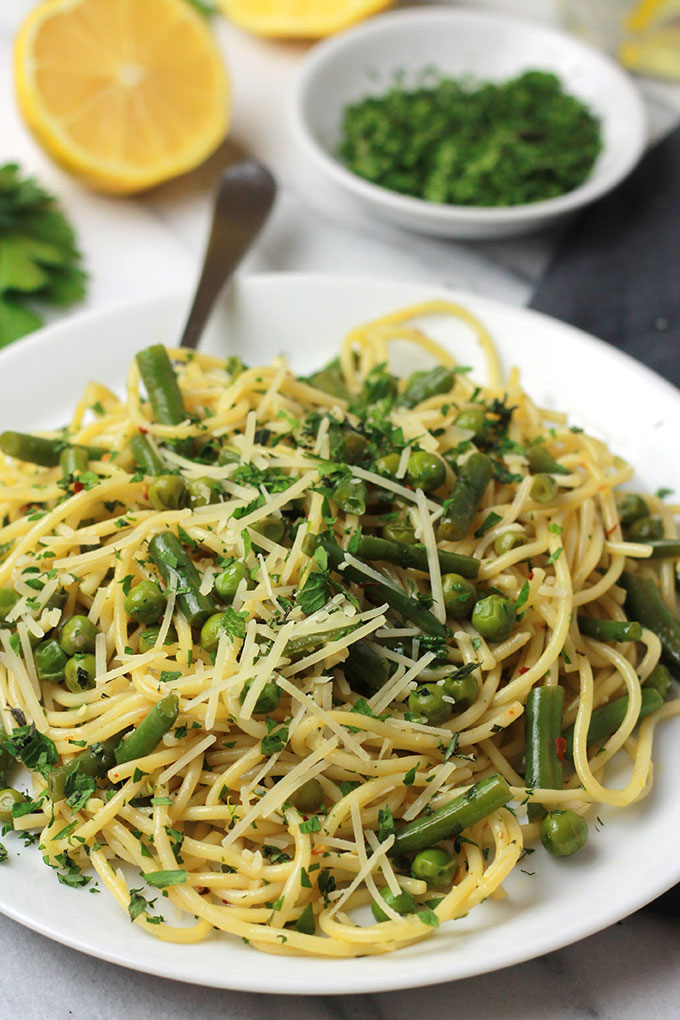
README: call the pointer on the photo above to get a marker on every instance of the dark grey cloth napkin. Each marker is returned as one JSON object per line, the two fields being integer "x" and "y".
{"x": 616, "y": 274}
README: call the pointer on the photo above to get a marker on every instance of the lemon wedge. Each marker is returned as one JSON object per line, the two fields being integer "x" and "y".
{"x": 301, "y": 19}
{"x": 124, "y": 94}
{"x": 652, "y": 44}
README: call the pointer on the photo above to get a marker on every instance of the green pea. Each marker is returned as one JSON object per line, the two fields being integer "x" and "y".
{"x": 631, "y": 507}
{"x": 403, "y": 903}
{"x": 50, "y": 660}
{"x": 78, "y": 635}
{"x": 397, "y": 531}
{"x": 80, "y": 672}
{"x": 167, "y": 492}
{"x": 228, "y": 455}
{"x": 145, "y": 603}
{"x": 226, "y": 583}
{"x": 563, "y": 833}
{"x": 204, "y": 490}
{"x": 268, "y": 698}
{"x": 494, "y": 617}
{"x": 8, "y": 600}
{"x": 272, "y": 528}
{"x": 460, "y": 595}
{"x": 425, "y": 471}
{"x": 350, "y": 495}
{"x": 308, "y": 797}
{"x": 645, "y": 528}
{"x": 543, "y": 489}
{"x": 388, "y": 464}
{"x": 435, "y": 866}
{"x": 428, "y": 701}
{"x": 463, "y": 690}
{"x": 473, "y": 419}
{"x": 8, "y": 798}
{"x": 148, "y": 638}
{"x": 507, "y": 541}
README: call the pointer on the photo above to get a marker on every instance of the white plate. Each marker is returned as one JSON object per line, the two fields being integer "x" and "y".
{"x": 626, "y": 864}
{"x": 488, "y": 46}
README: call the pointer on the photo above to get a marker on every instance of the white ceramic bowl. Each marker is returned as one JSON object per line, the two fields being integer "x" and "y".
{"x": 459, "y": 43}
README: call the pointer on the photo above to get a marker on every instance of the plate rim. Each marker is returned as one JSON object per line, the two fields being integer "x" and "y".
{"x": 385, "y": 979}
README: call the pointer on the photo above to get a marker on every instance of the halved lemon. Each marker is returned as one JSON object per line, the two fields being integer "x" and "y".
{"x": 653, "y": 43}
{"x": 124, "y": 93}
{"x": 301, "y": 19}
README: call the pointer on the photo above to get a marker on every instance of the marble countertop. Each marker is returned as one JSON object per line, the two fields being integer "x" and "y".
{"x": 151, "y": 245}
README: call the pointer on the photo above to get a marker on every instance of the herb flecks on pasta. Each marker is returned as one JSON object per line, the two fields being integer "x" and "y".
{"x": 289, "y": 647}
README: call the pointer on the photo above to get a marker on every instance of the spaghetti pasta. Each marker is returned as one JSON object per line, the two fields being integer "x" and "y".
{"x": 246, "y": 660}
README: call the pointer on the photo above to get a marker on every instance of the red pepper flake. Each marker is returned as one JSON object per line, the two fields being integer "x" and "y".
{"x": 143, "y": 431}
{"x": 145, "y": 491}
{"x": 612, "y": 529}
{"x": 78, "y": 486}
{"x": 560, "y": 747}
{"x": 522, "y": 670}
{"x": 531, "y": 575}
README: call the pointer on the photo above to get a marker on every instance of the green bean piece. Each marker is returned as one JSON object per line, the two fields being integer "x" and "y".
{"x": 388, "y": 464}
{"x": 645, "y": 529}
{"x": 543, "y": 727}
{"x": 427, "y": 701}
{"x": 50, "y": 660}
{"x": 541, "y": 461}
{"x": 306, "y": 922}
{"x": 423, "y": 385}
{"x": 145, "y": 603}
{"x": 435, "y": 866}
{"x": 228, "y": 455}
{"x": 610, "y": 630}
{"x": 563, "y": 833}
{"x": 660, "y": 680}
{"x": 346, "y": 444}
{"x": 8, "y": 600}
{"x": 507, "y": 541}
{"x": 80, "y": 672}
{"x": 268, "y": 698}
{"x": 168, "y": 492}
{"x": 204, "y": 491}
{"x": 178, "y": 572}
{"x": 272, "y": 528}
{"x": 425, "y": 471}
{"x": 467, "y": 495}
{"x": 644, "y": 602}
{"x": 403, "y": 903}
{"x": 227, "y": 582}
{"x": 95, "y": 761}
{"x": 38, "y": 450}
{"x": 449, "y": 820}
{"x": 6, "y": 760}
{"x": 664, "y": 548}
{"x": 148, "y": 638}
{"x": 365, "y": 670}
{"x": 298, "y": 647}
{"x": 372, "y": 548}
{"x": 460, "y": 595}
{"x": 409, "y": 607}
{"x": 543, "y": 489}
{"x": 149, "y": 733}
{"x": 145, "y": 457}
{"x": 350, "y": 495}
{"x": 158, "y": 376}
{"x": 308, "y": 798}
{"x": 494, "y": 617}
{"x": 463, "y": 689}
{"x": 473, "y": 419}
{"x": 606, "y": 719}
{"x": 331, "y": 380}
{"x": 8, "y": 799}
{"x": 73, "y": 460}
{"x": 399, "y": 532}
{"x": 78, "y": 635}
{"x": 631, "y": 507}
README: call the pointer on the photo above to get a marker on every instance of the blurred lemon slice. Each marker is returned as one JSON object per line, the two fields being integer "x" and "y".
{"x": 121, "y": 92}
{"x": 303, "y": 19}
{"x": 652, "y": 45}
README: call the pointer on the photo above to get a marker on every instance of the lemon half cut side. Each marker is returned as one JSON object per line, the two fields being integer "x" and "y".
{"x": 301, "y": 19}
{"x": 123, "y": 93}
